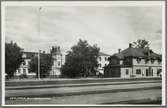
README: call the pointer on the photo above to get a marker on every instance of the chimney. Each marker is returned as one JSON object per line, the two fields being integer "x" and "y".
{"x": 119, "y": 50}
{"x": 130, "y": 45}
{"x": 58, "y": 48}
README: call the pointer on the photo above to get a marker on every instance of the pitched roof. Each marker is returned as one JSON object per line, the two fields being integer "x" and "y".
{"x": 136, "y": 52}
{"x": 118, "y": 55}
{"x": 103, "y": 54}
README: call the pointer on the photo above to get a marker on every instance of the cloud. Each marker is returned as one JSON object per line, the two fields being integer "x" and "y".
{"x": 109, "y": 27}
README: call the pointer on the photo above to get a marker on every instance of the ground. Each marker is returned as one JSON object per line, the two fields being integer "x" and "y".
{"x": 95, "y": 92}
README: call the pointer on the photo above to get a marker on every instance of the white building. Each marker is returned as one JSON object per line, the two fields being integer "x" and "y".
{"x": 102, "y": 61}
{"x": 24, "y": 67}
{"x": 58, "y": 61}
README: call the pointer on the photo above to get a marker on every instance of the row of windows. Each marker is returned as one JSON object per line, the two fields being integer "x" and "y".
{"x": 106, "y": 58}
{"x": 100, "y": 65}
{"x": 138, "y": 71}
{"x": 146, "y": 61}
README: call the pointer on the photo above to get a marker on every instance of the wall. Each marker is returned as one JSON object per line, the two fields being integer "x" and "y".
{"x": 142, "y": 65}
{"x": 112, "y": 72}
{"x": 153, "y": 71}
{"x": 123, "y": 72}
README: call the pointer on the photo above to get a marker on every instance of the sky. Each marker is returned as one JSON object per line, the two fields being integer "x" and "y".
{"x": 110, "y": 27}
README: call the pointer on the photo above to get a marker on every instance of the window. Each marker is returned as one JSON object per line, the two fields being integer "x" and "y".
{"x": 99, "y": 58}
{"x": 138, "y": 60}
{"x": 138, "y": 71}
{"x": 105, "y": 58}
{"x": 158, "y": 72}
{"x": 146, "y": 61}
{"x": 152, "y": 61}
{"x": 159, "y": 61}
{"x": 147, "y": 73}
{"x": 59, "y": 63}
{"x": 24, "y": 63}
{"x": 127, "y": 71}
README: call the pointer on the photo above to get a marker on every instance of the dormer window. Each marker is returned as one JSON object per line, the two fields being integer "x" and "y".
{"x": 146, "y": 61}
{"x": 152, "y": 61}
{"x": 138, "y": 60}
{"x": 159, "y": 61}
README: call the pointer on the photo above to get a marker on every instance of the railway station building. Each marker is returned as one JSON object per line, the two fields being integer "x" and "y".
{"x": 134, "y": 62}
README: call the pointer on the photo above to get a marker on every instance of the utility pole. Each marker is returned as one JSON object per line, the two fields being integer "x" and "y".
{"x": 39, "y": 37}
{"x": 39, "y": 64}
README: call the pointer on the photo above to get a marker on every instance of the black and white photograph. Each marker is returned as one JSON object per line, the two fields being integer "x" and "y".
{"x": 83, "y": 53}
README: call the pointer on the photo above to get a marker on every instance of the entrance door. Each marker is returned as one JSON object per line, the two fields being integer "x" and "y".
{"x": 147, "y": 72}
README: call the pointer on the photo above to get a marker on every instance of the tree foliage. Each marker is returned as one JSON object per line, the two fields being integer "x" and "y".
{"x": 81, "y": 61}
{"x": 13, "y": 58}
{"x": 141, "y": 43}
{"x": 46, "y": 63}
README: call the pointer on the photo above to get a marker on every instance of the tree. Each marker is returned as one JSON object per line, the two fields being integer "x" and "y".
{"x": 81, "y": 61}
{"x": 13, "y": 58}
{"x": 46, "y": 63}
{"x": 141, "y": 43}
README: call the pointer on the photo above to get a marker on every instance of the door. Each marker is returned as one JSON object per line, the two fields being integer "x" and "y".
{"x": 146, "y": 72}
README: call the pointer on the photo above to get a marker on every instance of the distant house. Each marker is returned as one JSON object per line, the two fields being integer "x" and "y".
{"x": 24, "y": 67}
{"x": 134, "y": 62}
{"x": 102, "y": 62}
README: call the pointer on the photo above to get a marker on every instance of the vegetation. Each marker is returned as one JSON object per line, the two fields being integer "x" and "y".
{"x": 81, "y": 61}
{"x": 45, "y": 65}
{"x": 141, "y": 43}
{"x": 13, "y": 58}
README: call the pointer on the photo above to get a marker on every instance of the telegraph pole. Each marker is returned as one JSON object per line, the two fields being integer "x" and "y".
{"x": 39, "y": 64}
{"x": 39, "y": 37}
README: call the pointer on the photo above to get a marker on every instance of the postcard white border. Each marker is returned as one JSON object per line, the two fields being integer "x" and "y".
{"x": 81, "y": 3}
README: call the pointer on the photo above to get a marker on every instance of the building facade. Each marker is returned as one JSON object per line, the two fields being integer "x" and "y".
{"x": 24, "y": 67}
{"x": 58, "y": 61}
{"x": 134, "y": 62}
{"x": 102, "y": 62}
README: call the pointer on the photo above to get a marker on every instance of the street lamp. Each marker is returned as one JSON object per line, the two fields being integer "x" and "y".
{"x": 39, "y": 36}
{"x": 39, "y": 64}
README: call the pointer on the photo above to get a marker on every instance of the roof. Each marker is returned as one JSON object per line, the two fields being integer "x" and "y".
{"x": 30, "y": 55}
{"x": 103, "y": 54}
{"x": 136, "y": 52}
